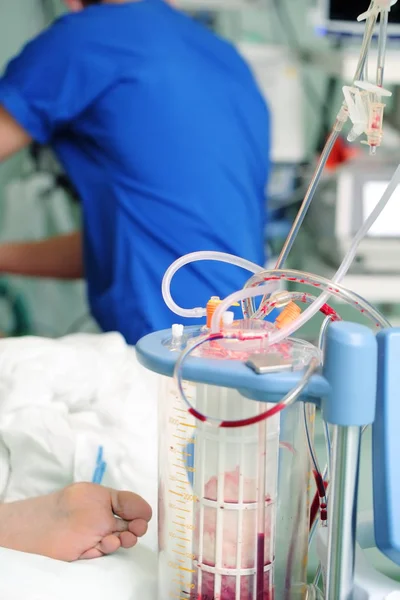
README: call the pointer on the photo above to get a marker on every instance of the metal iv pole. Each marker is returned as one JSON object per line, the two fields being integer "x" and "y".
{"x": 351, "y": 369}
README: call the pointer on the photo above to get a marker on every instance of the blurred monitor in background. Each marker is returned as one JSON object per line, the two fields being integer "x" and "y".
{"x": 340, "y": 16}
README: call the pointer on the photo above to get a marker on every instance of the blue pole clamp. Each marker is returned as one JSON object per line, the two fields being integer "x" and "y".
{"x": 386, "y": 447}
{"x": 350, "y": 367}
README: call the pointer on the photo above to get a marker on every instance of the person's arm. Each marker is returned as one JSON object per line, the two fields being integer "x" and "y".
{"x": 48, "y": 85}
{"x": 59, "y": 257}
{"x": 13, "y": 137}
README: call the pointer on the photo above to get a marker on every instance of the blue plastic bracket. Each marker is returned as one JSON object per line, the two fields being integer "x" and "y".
{"x": 350, "y": 368}
{"x": 386, "y": 446}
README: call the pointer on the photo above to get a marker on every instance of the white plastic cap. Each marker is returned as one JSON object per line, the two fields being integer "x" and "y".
{"x": 177, "y": 331}
{"x": 228, "y": 318}
{"x": 376, "y": 7}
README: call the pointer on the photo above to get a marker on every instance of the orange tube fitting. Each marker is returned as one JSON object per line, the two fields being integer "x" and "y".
{"x": 289, "y": 314}
{"x": 211, "y": 307}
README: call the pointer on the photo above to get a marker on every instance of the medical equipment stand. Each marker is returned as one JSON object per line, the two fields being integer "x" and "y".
{"x": 353, "y": 381}
{"x": 351, "y": 368}
{"x": 343, "y": 512}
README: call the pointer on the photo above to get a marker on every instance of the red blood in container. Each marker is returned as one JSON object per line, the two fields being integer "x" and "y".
{"x": 260, "y": 566}
{"x": 249, "y": 559}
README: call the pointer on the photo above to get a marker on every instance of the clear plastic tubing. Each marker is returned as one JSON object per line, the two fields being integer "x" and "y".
{"x": 290, "y": 275}
{"x": 252, "y": 267}
{"x": 198, "y": 312}
{"x": 387, "y": 194}
{"x": 310, "y": 193}
{"x": 369, "y": 29}
{"x": 338, "y": 291}
{"x": 382, "y": 47}
{"x": 278, "y": 336}
{"x": 223, "y": 257}
{"x": 302, "y": 297}
{"x": 334, "y": 289}
{"x": 289, "y": 399}
{"x": 337, "y": 128}
{"x": 322, "y": 334}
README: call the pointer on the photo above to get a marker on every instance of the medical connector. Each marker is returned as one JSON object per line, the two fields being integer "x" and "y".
{"x": 212, "y": 306}
{"x": 365, "y": 108}
{"x": 374, "y": 131}
{"x": 177, "y": 337}
{"x": 275, "y": 277}
{"x": 341, "y": 118}
{"x": 228, "y": 318}
{"x": 177, "y": 332}
{"x": 289, "y": 314}
{"x": 357, "y": 104}
{"x": 280, "y": 299}
{"x": 366, "y": 112}
{"x": 376, "y": 7}
{"x": 375, "y": 110}
{"x": 373, "y": 11}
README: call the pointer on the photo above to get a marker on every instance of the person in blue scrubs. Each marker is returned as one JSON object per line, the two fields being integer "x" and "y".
{"x": 161, "y": 128}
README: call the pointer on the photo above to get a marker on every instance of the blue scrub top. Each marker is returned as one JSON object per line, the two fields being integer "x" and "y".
{"x": 165, "y": 135}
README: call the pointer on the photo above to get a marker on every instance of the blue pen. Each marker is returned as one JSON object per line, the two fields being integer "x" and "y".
{"x": 100, "y": 468}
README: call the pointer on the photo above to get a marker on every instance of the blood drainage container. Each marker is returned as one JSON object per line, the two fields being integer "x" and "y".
{"x": 234, "y": 502}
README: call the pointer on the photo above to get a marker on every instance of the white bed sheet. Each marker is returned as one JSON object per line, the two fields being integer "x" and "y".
{"x": 60, "y": 401}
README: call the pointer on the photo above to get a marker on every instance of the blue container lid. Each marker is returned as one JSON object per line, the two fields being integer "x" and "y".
{"x": 154, "y": 353}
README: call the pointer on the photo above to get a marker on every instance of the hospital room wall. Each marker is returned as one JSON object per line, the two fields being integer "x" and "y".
{"x": 265, "y": 26}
